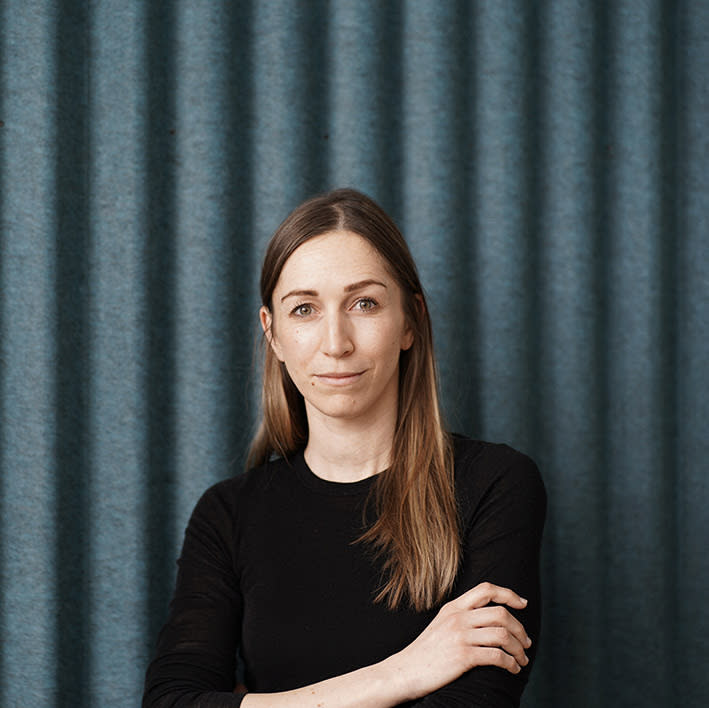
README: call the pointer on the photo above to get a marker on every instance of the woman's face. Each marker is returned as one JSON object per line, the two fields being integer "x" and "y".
{"x": 338, "y": 324}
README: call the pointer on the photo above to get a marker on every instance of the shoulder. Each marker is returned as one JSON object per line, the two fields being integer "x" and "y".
{"x": 218, "y": 518}
{"x": 496, "y": 473}
{"x": 476, "y": 458}
{"x": 222, "y": 502}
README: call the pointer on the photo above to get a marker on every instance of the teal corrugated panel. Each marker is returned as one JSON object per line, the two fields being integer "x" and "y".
{"x": 118, "y": 555}
{"x": 290, "y": 83}
{"x": 566, "y": 414}
{"x": 436, "y": 180}
{"x": 548, "y": 164}
{"x": 158, "y": 167}
{"x": 503, "y": 243}
{"x": 638, "y": 523}
{"x": 28, "y": 513}
{"x": 206, "y": 313}
{"x": 73, "y": 237}
{"x": 692, "y": 353}
{"x": 364, "y": 112}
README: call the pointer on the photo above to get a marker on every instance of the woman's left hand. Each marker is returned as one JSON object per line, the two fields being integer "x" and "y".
{"x": 467, "y": 632}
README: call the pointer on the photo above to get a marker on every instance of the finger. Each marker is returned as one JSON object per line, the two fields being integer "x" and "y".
{"x": 485, "y": 593}
{"x": 498, "y": 616}
{"x": 499, "y": 637}
{"x": 490, "y": 656}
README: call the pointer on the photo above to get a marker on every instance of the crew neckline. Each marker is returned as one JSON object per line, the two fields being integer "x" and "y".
{"x": 326, "y": 486}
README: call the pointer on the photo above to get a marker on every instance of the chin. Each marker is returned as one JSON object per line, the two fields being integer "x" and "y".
{"x": 343, "y": 409}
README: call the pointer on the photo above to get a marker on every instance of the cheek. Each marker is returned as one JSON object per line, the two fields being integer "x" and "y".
{"x": 299, "y": 340}
{"x": 382, "y": 341}
{"x": 296, "y": 344}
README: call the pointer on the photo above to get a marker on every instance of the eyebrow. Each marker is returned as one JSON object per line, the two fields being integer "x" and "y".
{"x": 353, "y": 287}
{"x": 363, "y": 284}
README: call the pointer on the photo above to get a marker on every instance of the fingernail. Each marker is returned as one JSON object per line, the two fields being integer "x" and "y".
{"x": 529, "y": 642}
{"x": 524, "y": 600}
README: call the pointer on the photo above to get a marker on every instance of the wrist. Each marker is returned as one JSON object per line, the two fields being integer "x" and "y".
{"x": 395, "y": 672}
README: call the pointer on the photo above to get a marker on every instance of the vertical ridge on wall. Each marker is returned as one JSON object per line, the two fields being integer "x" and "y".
{"x": 159, "y": 262}
{"x": 290, "y": 102}
{"x": 537, "y": 183}
{"x": 570, "y": 407}
{"x": 27, "y": 498}
{"x": 600, "y": 472}
{"x": 535, "y": 98}
{"x": 4, "y": 356}
{"x": 693, "y": 354}
{"x": 73, "y": 441}
{"x": 672, "y": 80}
{"x": 118, "y": 456}
{"x": 501, "y": 248}
{"x": 241, "y": 297}
{"x": 635, "y": 437}
{"x": 364, "y": 136}
{"x": 437, "y": 142}
{"x": 203, "y": 260}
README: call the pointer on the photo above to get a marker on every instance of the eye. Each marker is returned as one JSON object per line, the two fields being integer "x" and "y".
{"x": 366, "y": 304}
{"x": 303, "y": 310}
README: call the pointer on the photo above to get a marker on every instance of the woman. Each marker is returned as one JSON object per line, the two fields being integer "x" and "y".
{"x": 367, "y": 558}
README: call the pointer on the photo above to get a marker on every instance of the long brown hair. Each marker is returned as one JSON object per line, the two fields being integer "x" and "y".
{"x": 416, "y": 529}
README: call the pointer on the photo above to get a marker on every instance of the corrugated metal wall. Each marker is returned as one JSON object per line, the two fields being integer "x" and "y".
{"x": 549, "y": 164}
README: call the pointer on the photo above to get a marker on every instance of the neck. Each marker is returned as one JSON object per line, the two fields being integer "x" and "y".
{"x": 347, "y": 451}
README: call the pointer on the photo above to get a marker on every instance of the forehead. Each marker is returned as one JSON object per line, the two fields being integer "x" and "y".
{"x": 335, "y": 256}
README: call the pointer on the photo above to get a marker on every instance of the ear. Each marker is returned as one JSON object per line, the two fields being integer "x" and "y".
{"x": 408, "y": 338}
{"x": 266, "y": 319}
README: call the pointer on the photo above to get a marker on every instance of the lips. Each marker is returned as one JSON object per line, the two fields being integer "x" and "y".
{"x": 339, "y": 378}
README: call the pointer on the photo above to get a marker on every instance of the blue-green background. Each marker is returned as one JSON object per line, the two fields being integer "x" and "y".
{"x": 549, "y": 164}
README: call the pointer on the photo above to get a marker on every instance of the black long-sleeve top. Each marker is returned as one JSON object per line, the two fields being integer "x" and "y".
{"x": 270, "y": 567}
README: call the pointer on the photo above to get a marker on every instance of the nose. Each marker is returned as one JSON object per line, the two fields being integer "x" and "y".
{"x": 337, "y": 339}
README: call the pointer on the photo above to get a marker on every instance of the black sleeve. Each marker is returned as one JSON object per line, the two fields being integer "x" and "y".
{"x": 196, "y": 653}
{"x": 504, "y": 520}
